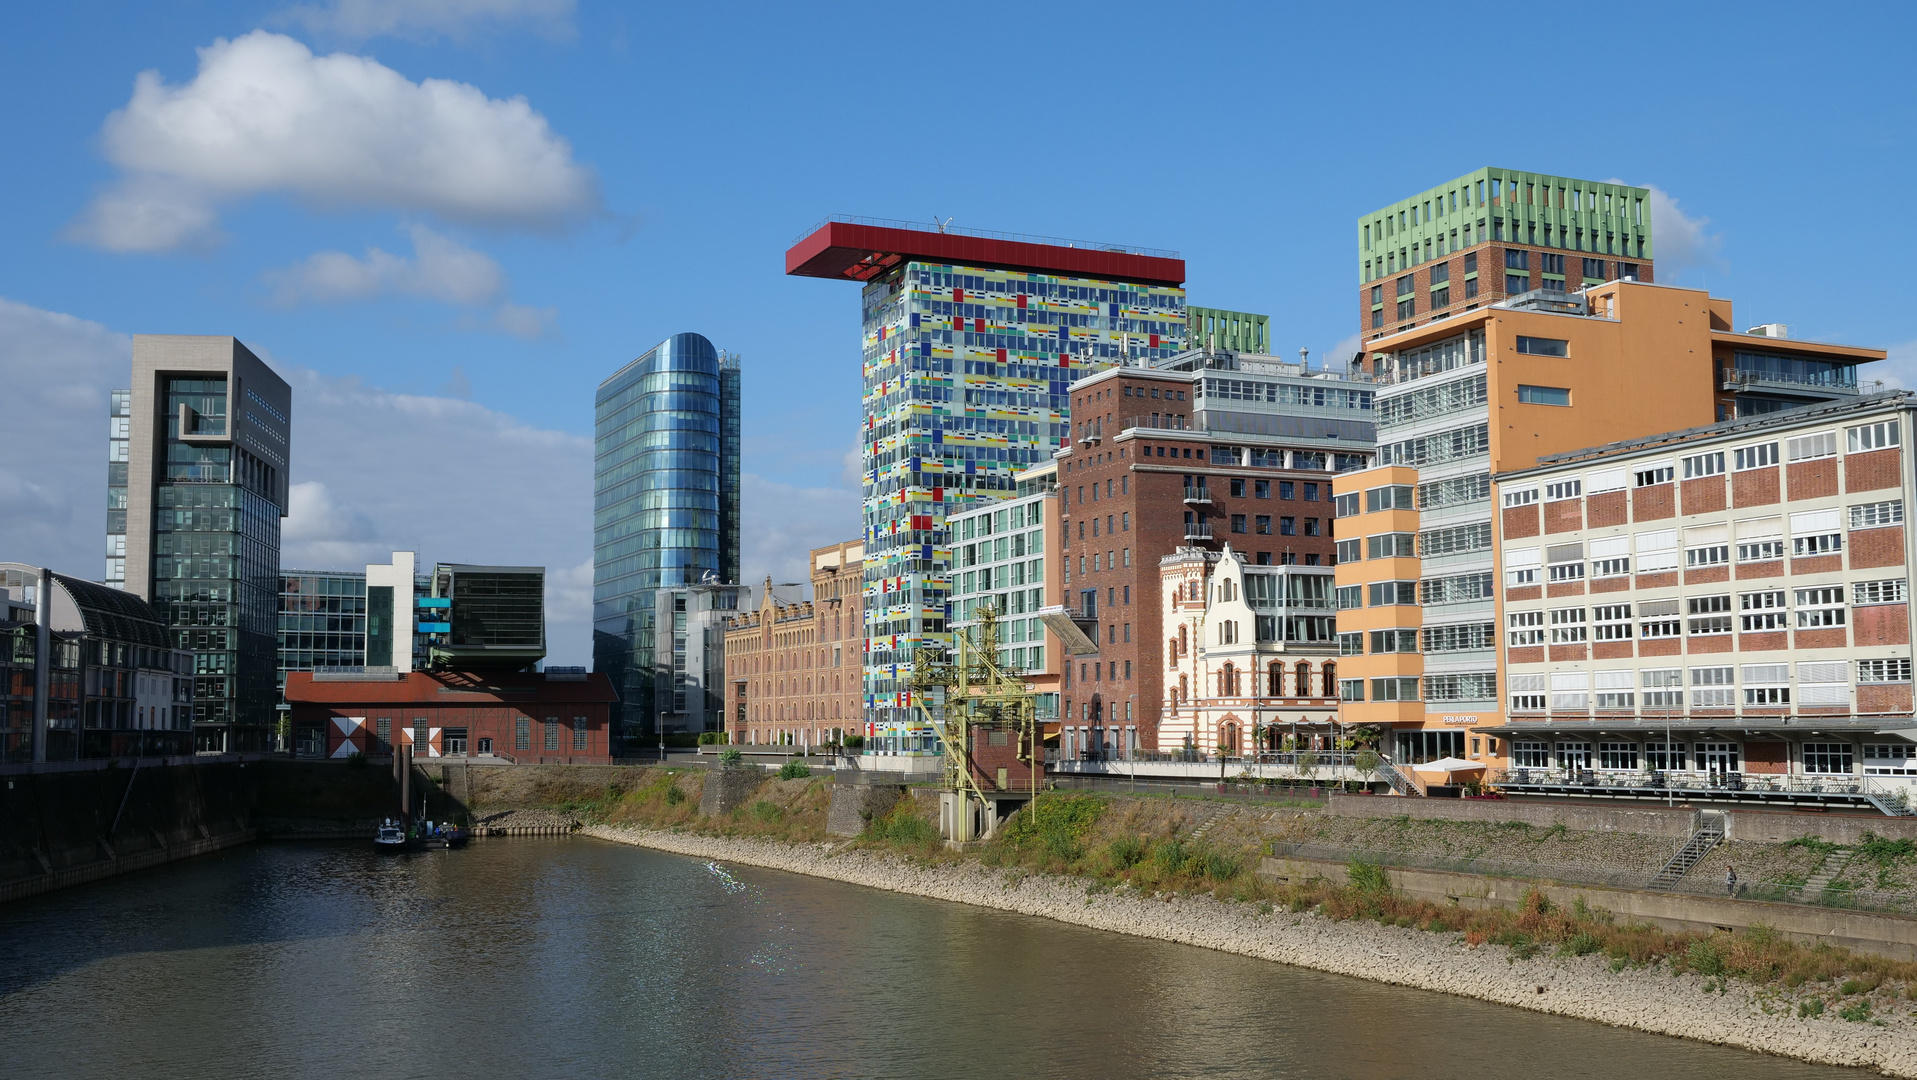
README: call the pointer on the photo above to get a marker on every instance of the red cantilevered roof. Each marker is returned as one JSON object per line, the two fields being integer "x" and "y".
{"x": 449, "y": 688}
{"x": 861, "y": 249}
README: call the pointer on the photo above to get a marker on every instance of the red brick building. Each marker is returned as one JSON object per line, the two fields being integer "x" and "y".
{"x": 792, "y": 669}
{"x": 524, "y": 716}
{"x": 1210, "y": 449}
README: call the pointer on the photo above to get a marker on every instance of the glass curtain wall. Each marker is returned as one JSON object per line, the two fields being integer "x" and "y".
{"x": 665, "y": 503}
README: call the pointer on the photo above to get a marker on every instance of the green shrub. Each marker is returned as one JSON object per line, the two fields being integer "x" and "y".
{"x": 1857, "y": 1013}
{"x": 1369, "y": 879}
{"x": 1055, "y": 824}
{"x": 1705, "y": 958}
{"x": 1126, "y": 852}
{"x": 902, "y": 826}
{"x": 674, "y": 796}
{"x": 1808, "y": 1009}
{"x": 794, "y": 770}
{"x": 356, "y": 759}
{"x": 731, "y": 757}
{"x": 1581, "y": 944}
{"x": 768, "y": 812}
{"x": 855, "y": 742}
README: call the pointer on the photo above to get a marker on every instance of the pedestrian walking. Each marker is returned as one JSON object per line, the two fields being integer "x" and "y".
{"x": 1730, "y": 880}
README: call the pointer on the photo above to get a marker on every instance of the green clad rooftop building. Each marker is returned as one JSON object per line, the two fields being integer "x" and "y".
{"x": 1493, "y": 234}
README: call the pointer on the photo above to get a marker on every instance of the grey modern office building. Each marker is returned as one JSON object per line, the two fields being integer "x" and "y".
{"x": 196, "y": 487}
{"x": 665, "y": 507}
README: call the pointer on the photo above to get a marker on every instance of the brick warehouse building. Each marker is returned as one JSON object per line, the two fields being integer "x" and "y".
{"x": 523, "y": 716}
{"x": 1195, "y": 451}
{"x": 792, "y": 669}
{"x": 1494, "y": 234}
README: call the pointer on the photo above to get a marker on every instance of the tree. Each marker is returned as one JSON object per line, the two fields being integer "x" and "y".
{"x": 1367, "y": 763}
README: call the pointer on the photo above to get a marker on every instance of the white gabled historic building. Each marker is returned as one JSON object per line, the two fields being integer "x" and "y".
{"x": 1250, "y": 656}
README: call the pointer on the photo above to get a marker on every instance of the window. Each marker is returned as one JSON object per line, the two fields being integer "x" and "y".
{"x": 1570, "y": 690}
{"x": 1543, "y": 395}
{"x": 1394, "y": 641}
{"x": 1407, "y": 285}
{"x": 1663, "y": 687}
{"x": 1391, "y": 497}
{"x": 1517, "y": 260}
{"x": 1526, "y": 692}
{"x": 1808, "y": 447}
{"x": 1767, "y": 684}
{"x": 1530, "y": 755}
{"x": 1871, "y": 436}
{"x": 1238, "y": 523}
{"x": 1516, "y": 283}
{"x": 1815, "y": 532}
{"x": 1285, "y": 488}
{"x": 1611, "y": 622}
{"x": 1455, "y": 540}
{"x": 579, "y": 729}
{"x": 1562, "y": 490}
{"x": 1711, "y": 464}
{"x": 1525, "y": 628}
{"x": 1311, "y": 526}
{"x": 1350, "y": 597}
{"x": 522, "y": 733}
{"x": 1754, "y": 457}
{"x": 1287, "y": 526}
{"x": 1617, "y": 756}
{"x": 1820, "y": 606}
{"x": 1890, "y": 759}
{"x": 1349, "y": 551}
{"x": 552, "y": 733}
{"x": 1261, "y": 489}
{"x": 1391, "y": 545}
{"x": 1891, "y": 670}
{"x": 1311, "y": 490}
{"x": 1345, "y": 505}
{"x": 1387, "y": 593}
{"x": 1394, "y": 689}
{"x": 1658, "y": 619}
{"x": 1351, "y": 644}
{"x": 1594, "y": 268}
{"x": 1823, "y": 682}
{"x": 1610, "y": 556}
{"x": 1237, "y": 487}
{"x": 1539, "y": 346}
{"x": 1829, "y": 758}
{"x": 1653, "y": 474}
{"x": 1351, "y": 689}
{"x": 1711, "y": 688}
{"x": 1455, "y": 589}
{"x": 1760, "y": 541}
{"x": 1460, "y": 637}
{"x": 1562, "y": 572}
{"x": 1878, "y": 592}
{"x": 1521, "y": 497}
{"x": 1467, "y": 686}
{"x": 1761, "y": 611}
{"x": 1567, "y": 626}
{"x": 1877, "y": 514}
{"x": 1707, "y": 555}
{"x": 1709, "y": 614}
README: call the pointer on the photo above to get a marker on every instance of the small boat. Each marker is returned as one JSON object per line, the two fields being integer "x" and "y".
{"x": 446, "y": 836}
{"x": 391, "y": 837}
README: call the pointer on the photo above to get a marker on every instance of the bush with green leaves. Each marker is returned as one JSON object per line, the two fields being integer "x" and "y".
{"x": 1055, "y": 823}
{"x": 731, "y": 757}
{"x": 768, "y": 812}
{"x": 794, "y": 770}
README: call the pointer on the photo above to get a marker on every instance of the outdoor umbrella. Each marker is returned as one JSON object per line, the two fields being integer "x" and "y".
{"x": 1449, "y": 765}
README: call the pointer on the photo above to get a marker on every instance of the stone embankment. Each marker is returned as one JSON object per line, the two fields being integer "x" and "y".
{"x": 1647, "y": 999}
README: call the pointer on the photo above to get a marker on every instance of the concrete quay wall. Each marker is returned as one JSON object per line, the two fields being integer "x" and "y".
{"x": 1757, "y": 826}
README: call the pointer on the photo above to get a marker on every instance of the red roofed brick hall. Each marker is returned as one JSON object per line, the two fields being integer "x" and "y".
{"x": 522, "y": 716}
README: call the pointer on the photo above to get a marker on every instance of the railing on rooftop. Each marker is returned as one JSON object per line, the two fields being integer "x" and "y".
{"x": 985, "y": 234}
{"x": 1747, "y": 378}
{"x": 1730, "y": 786}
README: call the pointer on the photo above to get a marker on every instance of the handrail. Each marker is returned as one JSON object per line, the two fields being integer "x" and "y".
{"x": 1895, "y": 803}
{"x": 983, "y": 234}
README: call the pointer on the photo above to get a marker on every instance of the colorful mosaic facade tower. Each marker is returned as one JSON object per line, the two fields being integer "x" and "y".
{"x": 971, "y": 342}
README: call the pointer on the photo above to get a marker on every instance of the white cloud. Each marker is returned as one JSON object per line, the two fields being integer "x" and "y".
{"x": 265, "y": 115}
{"x": 373, "y": 472}
{"x": 1680, "y": 242}
{"x": 1899, "y": 369}
{"x": 53, "y": 446}
{"x": 783, "y": 522}
{"x": 427, "y": 19}
{"x": 521, "y": 320}
{"x": 440, "y": 269}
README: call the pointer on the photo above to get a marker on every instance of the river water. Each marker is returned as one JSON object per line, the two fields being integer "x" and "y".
{"x": 576, "y": 958}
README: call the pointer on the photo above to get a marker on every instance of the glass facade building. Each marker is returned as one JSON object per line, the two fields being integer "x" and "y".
{"x": 968, "y": 371}
{"x": 196, "y": 488}
{"x": 665, "y": 505}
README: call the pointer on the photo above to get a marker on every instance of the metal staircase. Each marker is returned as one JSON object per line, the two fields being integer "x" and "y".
{"x": 1709, "y": 834}
{"x": 1401, "y": 784}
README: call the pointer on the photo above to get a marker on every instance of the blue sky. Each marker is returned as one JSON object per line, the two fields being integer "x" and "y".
{"x": 447, "y": 221}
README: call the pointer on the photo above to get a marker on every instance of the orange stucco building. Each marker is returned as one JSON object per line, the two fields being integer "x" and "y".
{"x": 1420, "y": 590}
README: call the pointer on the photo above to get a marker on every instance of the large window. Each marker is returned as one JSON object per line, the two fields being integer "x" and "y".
{"x": 1543, "y": 395}
{"x": 1871, "y": 436}
{"x": 1829, "y": 758}
{"x": 1567, "y": 626}
{"x": 1663, "y": 688}
{"x": 1540, "y": 346}
{"x": 1713, "y": 687}
{"x": 1416, "y": 747}
{"x": 1878, "y": 514}
{"x": 1525, "y": 628}
{"x": 1611, "y": 622}
{"x": 1526, "y": 693}
{"x": 1394, "y": 689}
{"x": 1761, "y": 611}
{"x": 1709, "y": 614}
{"x": 1820, "y": 607}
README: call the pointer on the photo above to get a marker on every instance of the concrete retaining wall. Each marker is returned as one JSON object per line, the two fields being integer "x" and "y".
{"x": 1757, "y": 826}
{"x": 727, "y": 789}
{"x": 855, "y": 805}
{"x": 1884, "y": 935}
{"x": 69, "y": 826}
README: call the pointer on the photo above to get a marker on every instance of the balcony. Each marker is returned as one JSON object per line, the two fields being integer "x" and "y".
{"x": 1786, "y": 791}
{"x": 1197, "y": 496}
{"x": 1830, "y": 385}
{"x": 1197, "y": 530}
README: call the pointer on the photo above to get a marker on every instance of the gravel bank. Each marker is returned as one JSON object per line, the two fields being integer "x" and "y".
{"x": 1650, "y": 1000}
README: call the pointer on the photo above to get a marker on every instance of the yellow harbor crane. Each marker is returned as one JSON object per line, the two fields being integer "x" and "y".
{"x": 965, "y": 696}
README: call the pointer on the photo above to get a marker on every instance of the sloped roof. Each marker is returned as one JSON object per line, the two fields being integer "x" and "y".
{"x": 452, "y": 688}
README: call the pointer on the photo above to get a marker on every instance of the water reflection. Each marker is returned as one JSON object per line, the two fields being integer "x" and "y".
{"x": 572, "y": 958}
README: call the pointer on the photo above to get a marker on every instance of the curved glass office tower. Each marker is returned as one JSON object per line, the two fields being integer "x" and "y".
{"x": 665, "y": 503}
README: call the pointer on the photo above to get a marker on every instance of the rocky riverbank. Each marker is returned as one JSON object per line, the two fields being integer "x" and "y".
{"x": 1645, "y": 999}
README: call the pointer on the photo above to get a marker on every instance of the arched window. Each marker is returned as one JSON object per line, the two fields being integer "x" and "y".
{"x": 1183, "y": 643}
{"x": 1228, "y": 738}
{"x": 1331, "y": 679}
{"x": 1184, "y": 687}
{"x": 1229, "y": 681}
{"x": 1275, "y": 680}
{"x": 1301, "y": 679}
{"x": 1171, "y": 652}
